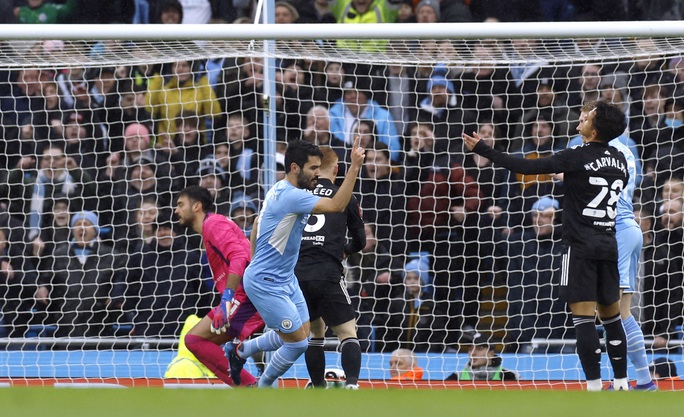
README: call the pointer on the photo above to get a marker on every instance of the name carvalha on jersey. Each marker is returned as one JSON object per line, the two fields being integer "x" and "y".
{"x": 606, "y": 161}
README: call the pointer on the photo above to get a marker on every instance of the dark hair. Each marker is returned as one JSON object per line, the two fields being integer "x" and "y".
{"x": 609, "y": 121}
{"x": 299, "y": 152}
{"x": 195, "y": 193}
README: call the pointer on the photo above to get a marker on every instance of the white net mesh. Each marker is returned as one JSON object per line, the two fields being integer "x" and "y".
{"x": 117, "y": 128}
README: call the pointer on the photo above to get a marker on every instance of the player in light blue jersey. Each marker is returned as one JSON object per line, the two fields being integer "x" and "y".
{"x": 630, "y": 241}
{"x": 269, "y": 280}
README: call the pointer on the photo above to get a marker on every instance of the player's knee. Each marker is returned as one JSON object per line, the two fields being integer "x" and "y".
{"x": 297, "y": 347}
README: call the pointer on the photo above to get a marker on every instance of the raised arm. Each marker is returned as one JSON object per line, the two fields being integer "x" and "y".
{"x": 340, "y": 200}
{"x": 548, "y": 165}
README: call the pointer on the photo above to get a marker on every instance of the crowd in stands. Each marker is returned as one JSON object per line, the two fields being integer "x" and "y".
{"x": 91, "y": 161}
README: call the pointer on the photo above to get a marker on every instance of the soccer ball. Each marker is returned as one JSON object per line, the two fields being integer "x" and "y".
{"x": 335, "y": 378}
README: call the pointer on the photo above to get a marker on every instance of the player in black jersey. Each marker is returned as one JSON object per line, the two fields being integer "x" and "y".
{"x": 594, "y": 175}
{"x": 320, "y": 273}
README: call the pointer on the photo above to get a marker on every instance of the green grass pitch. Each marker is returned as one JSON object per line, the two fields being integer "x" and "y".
{"x": 153, "y": 402}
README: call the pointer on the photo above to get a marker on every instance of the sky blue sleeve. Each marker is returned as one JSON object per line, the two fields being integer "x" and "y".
{"x": 299, "y": 201}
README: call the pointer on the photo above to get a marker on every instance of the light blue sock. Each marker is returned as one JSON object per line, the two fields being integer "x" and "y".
{"x": 267, "y": 342}
{"x": 281, "y": 360}
{"x": 636, "y": 350}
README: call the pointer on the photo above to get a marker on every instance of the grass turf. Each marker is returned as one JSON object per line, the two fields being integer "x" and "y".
{"x": 152, "y": 402}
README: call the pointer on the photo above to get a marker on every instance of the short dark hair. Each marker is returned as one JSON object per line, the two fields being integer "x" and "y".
{"x": 299, "y": 152}
{"x": 609, "y": 120}
{"x": 195, "y": 193}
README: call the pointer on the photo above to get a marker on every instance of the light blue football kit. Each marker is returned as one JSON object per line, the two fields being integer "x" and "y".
{"x": 269, "y": 279}
{"x": 630, "y": 241}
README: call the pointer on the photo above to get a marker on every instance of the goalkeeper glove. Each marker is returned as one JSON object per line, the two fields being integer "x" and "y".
{"x": 220, "y": 322}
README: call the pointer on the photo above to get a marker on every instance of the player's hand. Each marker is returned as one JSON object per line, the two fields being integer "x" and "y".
{"x": 220, "y": 323}
{"x": 358, "y": 154}
{"x": 471, "y": 141}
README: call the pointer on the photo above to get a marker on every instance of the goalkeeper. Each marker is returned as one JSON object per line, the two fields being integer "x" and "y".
{"x": 228, "y": 252}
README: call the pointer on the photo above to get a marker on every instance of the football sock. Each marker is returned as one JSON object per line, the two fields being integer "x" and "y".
{"x": 616, "y": 345}
{"x": 351, "y": 359}
{"x": 636, "y": 350}
{"x": 594, "y": 385}
{"x": 588, "y": 346}
{"x": 267, "y": 342}
{"x": 315, "y": 362}
{"x": 281, "y": 360}
{"x": 213, "y": 357}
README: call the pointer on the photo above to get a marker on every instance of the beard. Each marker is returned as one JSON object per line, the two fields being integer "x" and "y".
{"x": 306, "y": 182}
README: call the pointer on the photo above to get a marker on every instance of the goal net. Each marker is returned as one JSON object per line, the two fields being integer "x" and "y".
{"x": 99, "y": 136}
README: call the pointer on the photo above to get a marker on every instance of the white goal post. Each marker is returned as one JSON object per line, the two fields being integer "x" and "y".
{"x": 135, "y": 126}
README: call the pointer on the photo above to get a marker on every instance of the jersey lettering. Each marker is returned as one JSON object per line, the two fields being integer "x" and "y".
{"x": 610, "y": 209}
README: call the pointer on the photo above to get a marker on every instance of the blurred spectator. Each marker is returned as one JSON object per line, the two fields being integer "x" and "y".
{"x": 20, "y": 104}
{"x": 483, "y": 364}
{"x": 442, "y": 108}
{"x": 38, "y": 11}
{"x": 80, "y": 142}
{"x": 356, "y": 104}
{"x": 214, "y": 178}
{"x": 146, "y": 217}
{"x": 184, "y": 151}
{"x": 663, "y": 368}
{"x": 539, "y": 142}
{"x": 313, "y": 11}
{"x": 440, "y": 191}
{"x": 550, "y": 105}
{"x": 405, "y": 13}
{"x": 663, "y": 298}
{"x": 285, "y": 12}
{"x": 243, "y": 211}
{"x": 234, "y": 182}
{"x": 534, "y": 265}
{"x": 330, "y": 90}
{"x": 56, "y": 230}
{"x": 382, "y": 197}
{"x": 498, "y": 186}
{"x": 297, "y": 98}
{"x": 372, "y": 286}
{"x": 32, "y": 194}
{"x": 416, "y": 321}
{"x": 364, "y": 11}
{"x": 490, "y": 90}
{"x": 82, "y": 284}
{"x": 428, "y": 11}
{"x": 170, "y": 284}
{"x": 404, "y": 366}
{"x": 18, "y": 276}
{"x": 584, "y": 87}
{"x": 647, "y": 120}
{"x": 317, "y": 131}
{"x": 456, "y": 11}
{"x": 167, "y": 12}
{"x": 184, "y": 88}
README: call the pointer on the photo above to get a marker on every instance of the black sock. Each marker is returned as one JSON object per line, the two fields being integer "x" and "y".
{"x": 351, "y": 359}
{"x": 616, "y": 345}
{"x": 315, "y": 362}
{"x": 588, "y": 346}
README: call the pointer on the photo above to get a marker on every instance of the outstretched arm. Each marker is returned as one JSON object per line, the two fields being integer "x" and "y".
{"x": 548, "y": 165}
{"x": 340, "y": 200}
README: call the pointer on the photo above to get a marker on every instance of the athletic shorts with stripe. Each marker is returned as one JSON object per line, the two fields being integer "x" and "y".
{"x": 585, "y": 279}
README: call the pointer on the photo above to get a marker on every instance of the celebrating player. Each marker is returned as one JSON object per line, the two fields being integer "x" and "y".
{"x": 594, "y": 175}
{"x": 270, "y": 281}
{"x": 228, "y": 251}
{"x": 320, "y": 274}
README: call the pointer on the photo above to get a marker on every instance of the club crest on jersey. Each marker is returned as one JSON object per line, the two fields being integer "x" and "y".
{"x": 286, "y": 324}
